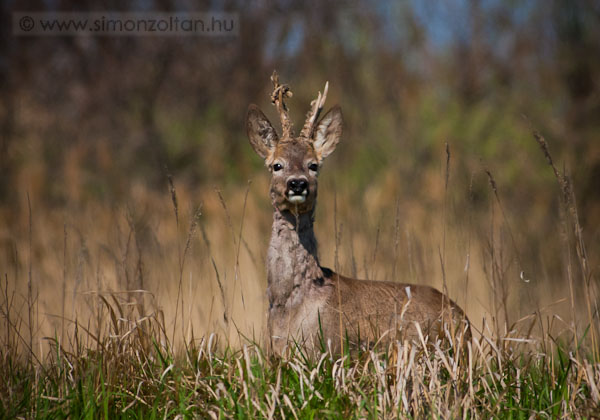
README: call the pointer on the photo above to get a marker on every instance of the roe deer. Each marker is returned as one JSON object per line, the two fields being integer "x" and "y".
{"x": 308, "y": 301}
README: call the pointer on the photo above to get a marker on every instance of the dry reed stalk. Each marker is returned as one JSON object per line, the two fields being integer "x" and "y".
{"x": 64, "y": 283}
{"x": 396, "y": 238}
{"x": 375, "y": 250}
{"x": 30, "y": 277}
{"x": 239, "y": 245}
{"x": 337, "y": 269}
{"x": 233, "y": 237}
{"x": 569, "y": 203}
{"x": 445, "y": 220}
{"x": 217, "y": 275}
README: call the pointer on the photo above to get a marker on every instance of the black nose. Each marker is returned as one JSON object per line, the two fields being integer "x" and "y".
{"x": 297, "y": 186}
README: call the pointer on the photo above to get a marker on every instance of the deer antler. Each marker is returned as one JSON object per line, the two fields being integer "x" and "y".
{"x": 277, "y": 97}
{"x": 313, "y": 114}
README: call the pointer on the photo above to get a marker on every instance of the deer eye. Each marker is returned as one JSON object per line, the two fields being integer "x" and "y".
{"x": 313, "y": 167}
{"x": 277, "y": 167}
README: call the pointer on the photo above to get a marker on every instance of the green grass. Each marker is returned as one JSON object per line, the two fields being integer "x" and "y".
{"x": 130, "y": 375}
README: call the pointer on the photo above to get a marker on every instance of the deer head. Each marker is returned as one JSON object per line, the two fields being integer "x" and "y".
{"x": 294, "y": 161}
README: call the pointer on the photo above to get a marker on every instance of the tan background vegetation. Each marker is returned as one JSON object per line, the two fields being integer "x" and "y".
{"x": 92, "y": 127}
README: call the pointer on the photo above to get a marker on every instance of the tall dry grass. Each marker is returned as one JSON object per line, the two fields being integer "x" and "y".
{"x": 165, "y": 270}
{"x": 196, "y": 255}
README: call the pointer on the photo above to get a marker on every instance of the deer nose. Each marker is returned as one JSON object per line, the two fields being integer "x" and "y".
{"x": 297, "y": 185}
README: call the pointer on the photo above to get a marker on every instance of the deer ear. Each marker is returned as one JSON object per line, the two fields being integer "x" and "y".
{"x": 328, "y": 132}
{"x": 261, "y": 133}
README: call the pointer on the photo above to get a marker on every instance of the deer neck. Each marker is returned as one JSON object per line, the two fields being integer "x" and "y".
{"x": 292, "y": 261}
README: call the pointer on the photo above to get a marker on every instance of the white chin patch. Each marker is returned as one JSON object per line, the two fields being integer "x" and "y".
{"x": 296, "y": 199}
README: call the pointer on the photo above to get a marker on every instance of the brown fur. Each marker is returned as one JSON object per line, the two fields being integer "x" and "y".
{"x": 305, "y": 299}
